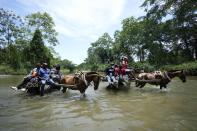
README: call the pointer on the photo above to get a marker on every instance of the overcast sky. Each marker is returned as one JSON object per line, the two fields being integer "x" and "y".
{"x": 79, "y": 22}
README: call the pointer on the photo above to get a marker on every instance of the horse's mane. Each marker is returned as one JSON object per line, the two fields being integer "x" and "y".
{"x": 174, "y": 70}
{"x": 91, "y": 72}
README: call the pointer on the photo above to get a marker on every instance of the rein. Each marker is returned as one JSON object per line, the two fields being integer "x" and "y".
{"x": 83, "y": 77}
{"x": 167, "y": 76}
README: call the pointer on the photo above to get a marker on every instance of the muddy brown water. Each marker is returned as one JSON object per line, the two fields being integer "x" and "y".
{"x": 147, "y": 109}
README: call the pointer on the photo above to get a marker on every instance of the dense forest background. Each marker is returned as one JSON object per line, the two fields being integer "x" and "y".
{"x": 27, "y": 41}
{"x": 165, "y": 38}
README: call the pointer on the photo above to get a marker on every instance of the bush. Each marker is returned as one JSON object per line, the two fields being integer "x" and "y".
{"x": 143, "y": 66}
{"x": 190, "y": 67}
{"x": 8, "y": 70}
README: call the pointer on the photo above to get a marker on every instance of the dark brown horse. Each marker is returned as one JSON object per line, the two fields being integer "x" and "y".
{"x": 80, "y": 81}
{"x": 159, "y": 79}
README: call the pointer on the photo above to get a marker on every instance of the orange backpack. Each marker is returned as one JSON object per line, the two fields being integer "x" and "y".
{"x": 34, "y": 73}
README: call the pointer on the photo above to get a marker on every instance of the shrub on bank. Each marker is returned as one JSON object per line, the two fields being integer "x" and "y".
{"x": 8, "y": 70}
{"x": 138, "y": 66}
{"x": 190, "y": 67}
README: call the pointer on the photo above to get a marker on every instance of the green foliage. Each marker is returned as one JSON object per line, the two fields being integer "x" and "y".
{"x": 179, "y": 31}
{"x": 147, "y": 67}
{"x": 22, "y": 42}
{"x": 100, "y": 50}
{"x": 154, "y": 39}
{"x": 37, "y": 49}
{"x": 165, "y": 35}
{"x": 66, "y": 64}
{"x": 45, "y": 23}
{"x": 131, "y": 39}
{"x": 189, "y": 67}
{"x": 15, "y": 57}
{"x": 5, "y": 69}
{"x": 10, "y": 25}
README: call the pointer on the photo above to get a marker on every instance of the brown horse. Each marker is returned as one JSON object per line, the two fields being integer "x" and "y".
{"x": 80, "y": 81}
{"x": 161, "y": 79}
{"x": 73, "y": 82}
{"x": 91, "y": 77}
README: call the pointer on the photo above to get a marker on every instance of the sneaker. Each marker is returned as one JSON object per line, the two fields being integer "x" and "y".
{"x": 23, "y": 89}
{"x": 14, "y": 88}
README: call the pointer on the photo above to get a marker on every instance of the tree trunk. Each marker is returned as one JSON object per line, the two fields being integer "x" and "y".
{"x": 195, "y": 51}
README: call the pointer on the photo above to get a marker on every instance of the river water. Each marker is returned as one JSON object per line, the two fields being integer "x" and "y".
{"x": 146, "y": 109}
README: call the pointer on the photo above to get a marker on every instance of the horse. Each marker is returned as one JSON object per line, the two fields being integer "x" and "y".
{"x": 91, "y": 77}
{"x": 161, "y": 79}
{"x": 80, "y": 81}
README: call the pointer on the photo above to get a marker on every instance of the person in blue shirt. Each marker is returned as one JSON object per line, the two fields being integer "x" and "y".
{"x": 44, "y": 75}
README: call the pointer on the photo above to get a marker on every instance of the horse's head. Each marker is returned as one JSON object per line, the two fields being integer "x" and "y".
{"x": 178, "y": 73}
{"x": 182, "y": 76}
{"x": 95, "y": 77}
{"x": 96, "y": 81}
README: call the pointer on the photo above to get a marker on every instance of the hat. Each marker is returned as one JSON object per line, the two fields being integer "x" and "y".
{"x": 44, "y": 64}
{"x": 57, "y": 67}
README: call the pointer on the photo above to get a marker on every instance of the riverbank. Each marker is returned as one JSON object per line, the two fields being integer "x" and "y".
{"x": 6, "y": 70}
{"x": 189, "y": 67}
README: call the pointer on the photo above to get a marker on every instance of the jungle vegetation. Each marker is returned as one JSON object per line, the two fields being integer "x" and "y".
{"x": 164, "y": 38}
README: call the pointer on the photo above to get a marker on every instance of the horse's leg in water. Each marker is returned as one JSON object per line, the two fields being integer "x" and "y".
{"x": 161, "y": 87}
{"x": 82, "y": 93}
{"x": 142, "y": 85}
{"x": 43, "y": 82}
{"x": 136, "y": 83}
{"x": 64, "y": 89}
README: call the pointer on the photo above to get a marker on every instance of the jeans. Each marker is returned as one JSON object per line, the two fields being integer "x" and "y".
{"x": 111, "y": 79}
{"x": 43, "y": 83}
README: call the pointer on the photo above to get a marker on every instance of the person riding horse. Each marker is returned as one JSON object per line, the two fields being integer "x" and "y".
{"x": 44, "y": 75}
{"x": 32, "y": 74}
{"x": 55, "y": 73}
{"x": 110, "y": 74}
{"x": 124, "y": 65}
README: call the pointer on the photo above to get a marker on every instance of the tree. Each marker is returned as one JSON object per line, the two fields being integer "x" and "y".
{"x": 15, "y": 57}
{"x": 10, "y": 30}
{"x": 100, "y": 50}
{"x": 45, "y": 23}
{"x": 182, "y": 23}
{"x": 68, "y": 65}
{"x": 130, "y": 40}
{"x": 10, "y": 25}
{"x": 37, "y": 50}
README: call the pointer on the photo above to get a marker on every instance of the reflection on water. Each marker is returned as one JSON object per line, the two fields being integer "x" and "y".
{"x": 129, "y": 109}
